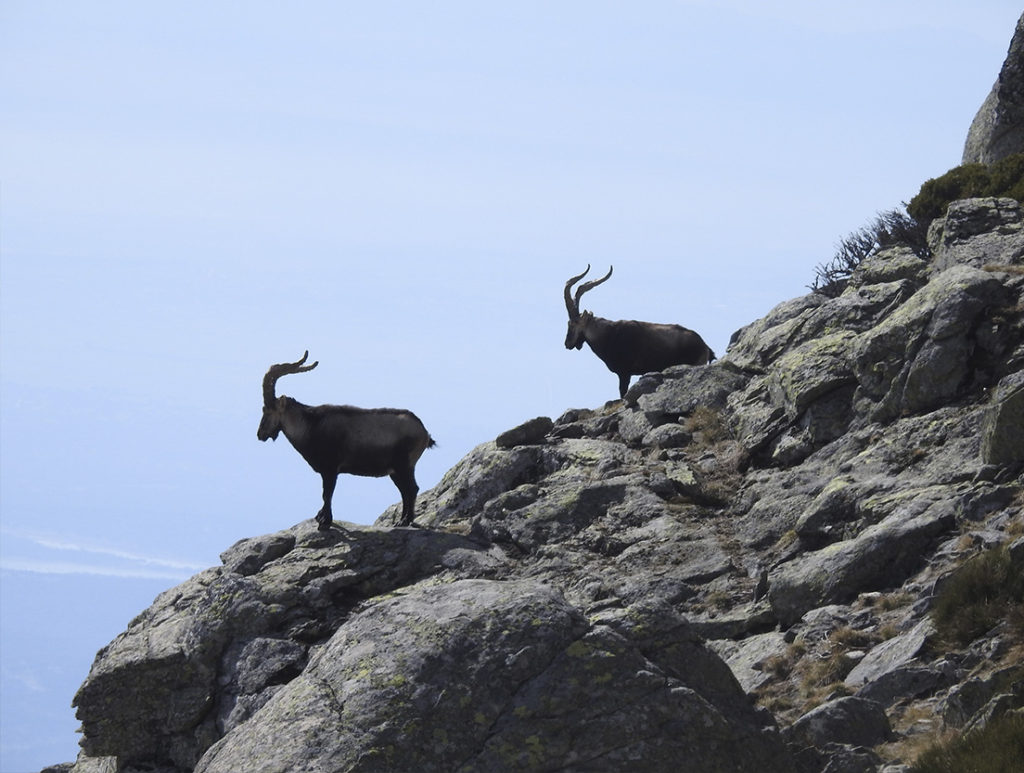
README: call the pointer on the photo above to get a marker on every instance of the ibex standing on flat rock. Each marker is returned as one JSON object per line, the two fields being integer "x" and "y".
{"x": 339, "y": 438}
{"x": 627, "y": 347}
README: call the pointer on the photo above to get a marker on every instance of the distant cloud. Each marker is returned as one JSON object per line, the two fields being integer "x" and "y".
{"x": 114, "y": 553}
{"x": 118, "y": 563}
{"x": 66, "y": 567}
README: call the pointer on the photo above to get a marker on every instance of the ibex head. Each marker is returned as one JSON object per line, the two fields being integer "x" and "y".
{"x": 270, "y": 425}
{"x": 578, "y": 320}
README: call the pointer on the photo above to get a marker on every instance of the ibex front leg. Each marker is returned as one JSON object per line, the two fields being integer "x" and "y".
{"x": 325, "y": 517}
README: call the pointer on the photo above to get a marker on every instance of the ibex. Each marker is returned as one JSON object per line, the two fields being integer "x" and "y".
{"x": 627, "y": 347}
{"x": 337, "y": 439}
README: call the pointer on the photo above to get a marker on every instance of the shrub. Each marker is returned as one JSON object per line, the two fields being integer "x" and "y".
{"x": 887, "y": 229}
{"x": 709, "y": 423}
{"x": 996, "y": 748}
{"x": 981, "y": 592}
{"x": 1003, "y": 178}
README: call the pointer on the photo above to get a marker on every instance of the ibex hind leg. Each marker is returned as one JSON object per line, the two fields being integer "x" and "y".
{"x": 405, "y": 480}
{"x": 623, "y": 384}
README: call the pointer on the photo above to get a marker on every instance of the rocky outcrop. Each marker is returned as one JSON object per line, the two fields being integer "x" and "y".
{"x": 620, "y": 587}
{"x": 482, "y": 675}
{"x": 998, "y": 129}
{"x": 1002, "y": 441}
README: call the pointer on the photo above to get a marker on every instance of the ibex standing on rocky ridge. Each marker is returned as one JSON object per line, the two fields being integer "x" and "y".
{"x": 336, "y": 439}
{"x": 627, "y": 347}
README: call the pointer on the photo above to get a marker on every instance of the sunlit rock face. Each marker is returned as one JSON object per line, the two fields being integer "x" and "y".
{"x": 998, "y": 128}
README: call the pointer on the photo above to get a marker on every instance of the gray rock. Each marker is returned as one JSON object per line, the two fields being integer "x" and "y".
{"x": 747, "y": 657}
{"x": 482, "y": 475}
{"x": 1002, "y": 440}
{"x": 86, "y": 764}
{"x": 903, "y": 683}
{"x": 1001, "y": 704}
{"x": 882, "y": 556}
{"x": 892, "y": 264}
{"x": 755, "y": 418}
{"x": 635, "y": 425}
{"x": 807, "y": 372}
{"x": 879, "y": 350}
{"x": 848, "y": 720}
{"x": 816, "y": 625}
{"x": 967, "y": 701}
{"x": 835, "y": 505}
{"x": 682, "y": 390}
{"x": 264, "y": 661}
{"x": 256, "y": 672}
{"x": 736, "y": 624}
{"x": 531, "y": 432}
{"x": 890, "y": 655}
{"x": 978, "y": 233}
{"x": 771, "y": 502}
{"x": 248, "y": 556}
{"x": 575, "y": 424}
{"x": 549, "y": 519}
{"x": 998, "y": 129}
{"x": 760, "y": 343}
{"x": 846, "y": 758}
{"x": 916, "y": 359}
{"x": 381, "y": 695}
{"x": 150, "y": 692}
{"x": 667, "y": 436}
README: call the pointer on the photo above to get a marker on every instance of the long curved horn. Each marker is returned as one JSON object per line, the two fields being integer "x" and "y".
{"x": 283, "y": 369}
{"x": 573, "y": 307}
{"x": 590, "y": 285}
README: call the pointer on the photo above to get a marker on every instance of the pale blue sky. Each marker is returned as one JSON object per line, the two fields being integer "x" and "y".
{"x": 192, "y": 191}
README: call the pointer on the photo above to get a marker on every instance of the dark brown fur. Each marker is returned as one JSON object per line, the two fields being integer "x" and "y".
{"x": 627, "y": 347}
{"x": 337, "y": 439}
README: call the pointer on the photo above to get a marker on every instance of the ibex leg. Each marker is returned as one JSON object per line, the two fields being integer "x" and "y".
{"x": 325, "y": 517}
{"x": 623, "y": 384}
{"x": 406, "y": 482}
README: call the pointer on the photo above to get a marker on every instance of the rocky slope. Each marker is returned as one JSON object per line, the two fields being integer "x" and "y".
{"x": 655, "y": 580}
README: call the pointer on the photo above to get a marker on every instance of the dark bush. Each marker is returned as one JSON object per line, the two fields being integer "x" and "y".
{"x": 996, "y": 748}
{"x": 887, "y": 229}
{"x": 983, "y": 591}
{"x": 1004, "y": 178}
{"x": 1008, "y": 177}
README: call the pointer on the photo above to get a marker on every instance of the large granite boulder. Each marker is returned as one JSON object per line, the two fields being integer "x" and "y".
{"x": 998, "y": 129}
